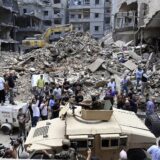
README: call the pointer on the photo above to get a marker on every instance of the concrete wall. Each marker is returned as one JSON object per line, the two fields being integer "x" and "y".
{"x": 153, "y": 7}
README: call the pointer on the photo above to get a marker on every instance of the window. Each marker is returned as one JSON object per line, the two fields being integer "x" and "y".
{"x": 108, "y": 10}
{"x": 57, "y": 21}
{"x": 24, "y": 10}
{"x": 123, "y": 141}
{"x": 107, "y": 20}
{"x": 57, "y": 11}
{"x": 45, "y": 13}
{"x": 57, "y": 1}
{"x": 47, "y": 23}
{"x": 96, "y": 28}
{"x": 72, "y": 15}
{"x": 79, "y": 16}
{"x": 105, "y": 143}
{"x": 114, "y": 142}
{"x": 96, "y": 1}
{"x": 79, "y": 28}
{"x": 87, "y": 2}
{"x": 96, "y": 15}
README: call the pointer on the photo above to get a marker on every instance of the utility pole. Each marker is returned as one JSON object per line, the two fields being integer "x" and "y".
{"x": 141, "y": 34}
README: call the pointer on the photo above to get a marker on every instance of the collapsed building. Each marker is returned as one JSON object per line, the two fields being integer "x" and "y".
{"x": 29, "y": 19}
{"x": 9, "y": 11}
{"x": 138, "y": 20}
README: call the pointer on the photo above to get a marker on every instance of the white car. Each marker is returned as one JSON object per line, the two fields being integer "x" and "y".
{"x": 8, "y": 116}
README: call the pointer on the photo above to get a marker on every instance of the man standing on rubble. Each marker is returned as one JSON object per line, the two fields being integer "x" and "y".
{"x": 40, "y": 84}
{"x": 124, "y": 85}
{"x": 144, "y": 82}
{"x": 112, "y": 84}
{"x": 139, "y": 73}
{"x": 150, "y": 108}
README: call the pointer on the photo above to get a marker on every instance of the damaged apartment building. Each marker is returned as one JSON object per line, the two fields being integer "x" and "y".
{"x": 36, "y": 16}
{"x": 90, "y": 15}
{"x": 8, "y": 13}
{"x": 137, "y": 20}
{"x": 29, "y": 20}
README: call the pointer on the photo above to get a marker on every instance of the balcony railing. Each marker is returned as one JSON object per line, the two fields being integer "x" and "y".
{"x": 78, "y": 4}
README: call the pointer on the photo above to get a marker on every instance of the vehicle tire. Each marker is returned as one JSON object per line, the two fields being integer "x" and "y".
{"x": 6, "y": 128}
{"x": 39, "y": 156}
{"x": 153, "y": 123}
{"x": 136, "y": 154}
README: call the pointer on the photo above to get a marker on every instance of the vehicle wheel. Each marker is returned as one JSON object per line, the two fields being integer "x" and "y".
{"x": 136, "y": 154}
{"x": 6, "y": 130}
{"x": 153, "y": 123}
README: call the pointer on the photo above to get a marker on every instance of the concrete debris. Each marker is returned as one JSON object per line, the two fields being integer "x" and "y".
{"x": 79, "y": 57}
{"x": 95, "y": 65}
{"x": 130, "y": 65}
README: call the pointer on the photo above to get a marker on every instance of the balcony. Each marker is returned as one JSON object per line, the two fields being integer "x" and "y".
{"x": 81, "y": 4}
{"x": 78, "y": 20}
{"x": 107, "y": 4}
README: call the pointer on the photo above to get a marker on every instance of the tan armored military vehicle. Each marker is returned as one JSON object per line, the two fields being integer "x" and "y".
{"x": 106, "y": 132}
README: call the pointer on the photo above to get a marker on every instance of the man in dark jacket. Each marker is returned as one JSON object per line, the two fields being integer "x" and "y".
{"x": 11, "y": 85}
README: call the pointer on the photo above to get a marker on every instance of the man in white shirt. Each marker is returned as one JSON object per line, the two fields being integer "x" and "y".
{"x": 112, "y": 85}
{"x": 36, "y": 113}
{"x": 57, "y": 92}
{"x": 123, "y": 155}
{"x": 2, "y": 91}
{"x": 44, "y": 110}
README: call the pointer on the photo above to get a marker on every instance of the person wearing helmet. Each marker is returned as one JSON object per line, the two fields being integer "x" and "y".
{"x": 67, "y": 152}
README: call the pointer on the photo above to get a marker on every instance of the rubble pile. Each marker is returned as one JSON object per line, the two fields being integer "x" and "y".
{"x": 79, "y": 57}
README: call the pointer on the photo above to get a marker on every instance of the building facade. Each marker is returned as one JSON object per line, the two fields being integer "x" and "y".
{"x": 29, "y": 20}
{"x": 36, "y": 16}
{"x": 135, "y": 18}
{"x": 90, "y": 15}
{"x": 8, "y": 12}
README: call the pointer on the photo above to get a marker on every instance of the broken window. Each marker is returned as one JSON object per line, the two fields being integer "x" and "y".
{"x": 57, "y": 11}
{"x": 96, "y": 1}
{"x": 86, "y": 14}
{"x": 57, "y": 21}
{"x": 96, "y": 28}
{"x": 145, "y": 9}
{"x": 96, "y": 15}
{"x": 87, "y": 2}
{"x": 72, "y": 15}
{"x": 107, "y": 20}
{"x": 79, "y": 28}
{"x": 24, "y": 10}
{"x": 47, "y": 23}
{"x": 45, "y": 13}
{"x": 79, "y": 16}
{"x": 108, "y": 10}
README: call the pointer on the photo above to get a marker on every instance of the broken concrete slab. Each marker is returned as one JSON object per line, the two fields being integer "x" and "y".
{"x": 96, "y": 64}
{"x": 133, "y": 55}
{"x": 130, "y": 65}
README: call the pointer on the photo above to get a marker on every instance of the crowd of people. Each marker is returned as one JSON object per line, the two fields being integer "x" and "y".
{"x": 47, "y": 97}
{"x": 7, "y": 86}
